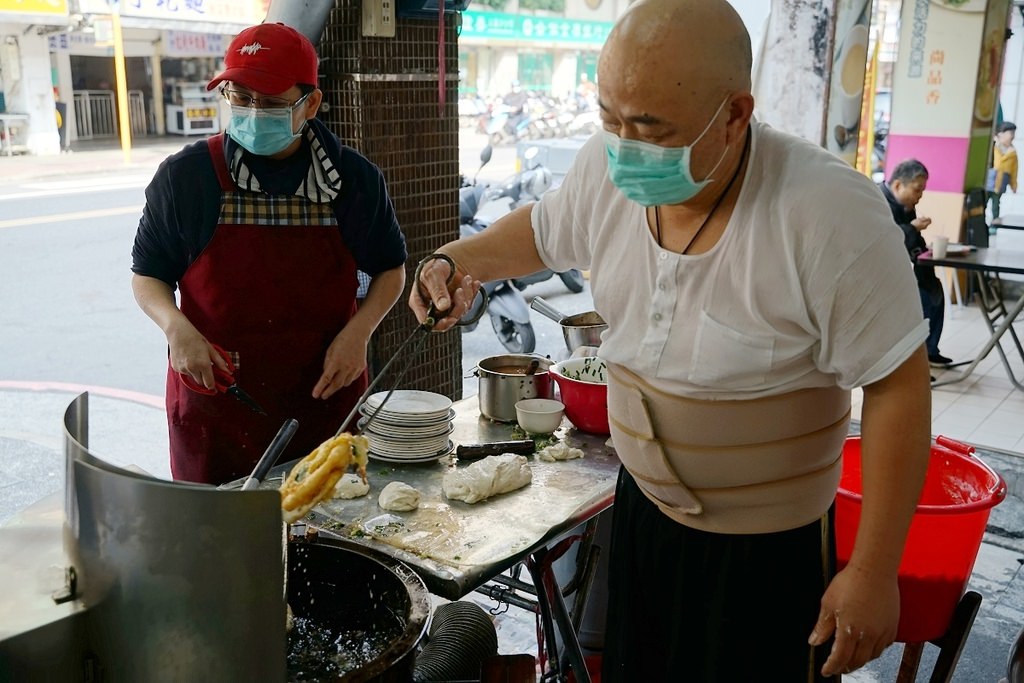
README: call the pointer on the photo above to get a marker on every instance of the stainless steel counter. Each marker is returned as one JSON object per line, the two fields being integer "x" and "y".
{"x": 455, "y": 546}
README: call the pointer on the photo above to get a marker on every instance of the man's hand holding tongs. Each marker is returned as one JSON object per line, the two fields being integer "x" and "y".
{"x": 441, "y": 291}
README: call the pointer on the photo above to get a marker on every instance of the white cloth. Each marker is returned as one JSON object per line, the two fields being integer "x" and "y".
{"x": 808, "y": 286}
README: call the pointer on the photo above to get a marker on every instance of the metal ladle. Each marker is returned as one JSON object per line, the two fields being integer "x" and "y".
{"x": 582, "y": 329}
{"x": 547, "y": 310}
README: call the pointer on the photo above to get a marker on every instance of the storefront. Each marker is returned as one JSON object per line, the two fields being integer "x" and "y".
{"x": 170, "y": 46}
{"x": 28, "y": 121}
{"x": 158, "y": 66}
{"x": 544, "y": 54}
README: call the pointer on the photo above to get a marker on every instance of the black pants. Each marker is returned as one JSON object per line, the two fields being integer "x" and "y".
{"x": 994, "y": 197}
{"x": 687, "y": 605}
{"x": 933, "y": 304}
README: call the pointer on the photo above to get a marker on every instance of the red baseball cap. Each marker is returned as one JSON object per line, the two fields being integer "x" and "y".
{"x": 269, "y": 58}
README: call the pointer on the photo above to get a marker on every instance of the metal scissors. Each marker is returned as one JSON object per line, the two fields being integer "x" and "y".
{"x": 224, "y": 382}
{"x": 419, "y": 335}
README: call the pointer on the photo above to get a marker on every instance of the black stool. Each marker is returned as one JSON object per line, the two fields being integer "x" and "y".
{"x": 950, "y": 644}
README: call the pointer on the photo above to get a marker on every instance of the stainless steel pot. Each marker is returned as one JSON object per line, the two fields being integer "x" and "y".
{"x": 504, "y": 381}
{"x": 582, "y": 329}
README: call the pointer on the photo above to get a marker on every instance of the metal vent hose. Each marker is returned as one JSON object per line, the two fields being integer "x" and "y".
{"x": 461, "y": 637}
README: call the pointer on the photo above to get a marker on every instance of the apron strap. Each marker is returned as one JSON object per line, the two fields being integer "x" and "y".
{"x": 216, "y": 146}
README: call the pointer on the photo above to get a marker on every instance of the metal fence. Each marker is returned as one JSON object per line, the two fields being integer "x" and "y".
{"x": 96, "y": 114}
{"x": 137, "y": 112}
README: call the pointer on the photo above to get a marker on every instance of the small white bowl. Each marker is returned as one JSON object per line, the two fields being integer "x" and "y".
{"x": 539, "y": 415}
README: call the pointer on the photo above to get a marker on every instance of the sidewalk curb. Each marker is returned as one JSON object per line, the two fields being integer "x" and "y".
{"x": 144, "y": 158}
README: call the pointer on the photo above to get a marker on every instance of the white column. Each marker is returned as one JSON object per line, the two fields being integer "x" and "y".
{"x": 792, "y": 70}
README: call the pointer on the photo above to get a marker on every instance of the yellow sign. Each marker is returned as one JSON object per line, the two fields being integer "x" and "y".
{"x": 55, "y": 7}
{"x": 200, "y": 112}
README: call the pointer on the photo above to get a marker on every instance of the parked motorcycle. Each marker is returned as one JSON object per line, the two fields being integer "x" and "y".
{"x": 506, "y": 307}
{"x": 525, "y": 187}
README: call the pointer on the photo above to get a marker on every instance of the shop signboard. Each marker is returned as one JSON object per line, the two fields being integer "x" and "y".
{"x": 226, "y": 11}
{"x": 188, "y": 44}
{"x": 200, "y": 112}
{"x": 937, "y": 103}
{"x": 34, "y": 8}
{"x": 846, "y": 85}
{"x": 491, "y": 26}
{"x": 63, "y": 42}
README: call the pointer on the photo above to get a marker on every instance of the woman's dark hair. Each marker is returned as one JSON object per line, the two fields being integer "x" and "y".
{"x": 1006, "y": 126}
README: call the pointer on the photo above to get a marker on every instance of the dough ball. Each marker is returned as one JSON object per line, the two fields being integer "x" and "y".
{"x": 399, "y": 497}
{"x": 350, "y": 486}
{"x": 559, "y": 451}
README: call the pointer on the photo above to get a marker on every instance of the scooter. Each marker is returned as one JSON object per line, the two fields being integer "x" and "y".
{"x": 503, "y": 128}
{"x": 506, "y": 307}
{"x": 525, "y": 187}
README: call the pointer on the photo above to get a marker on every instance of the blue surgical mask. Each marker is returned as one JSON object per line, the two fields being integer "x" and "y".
{"x": 652, "y": 175}
{"x": 263, "y": 132}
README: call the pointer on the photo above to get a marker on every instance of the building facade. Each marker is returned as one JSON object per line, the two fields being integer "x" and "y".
{"x": 57, "y": 72}
{"x": 549, "y": 52}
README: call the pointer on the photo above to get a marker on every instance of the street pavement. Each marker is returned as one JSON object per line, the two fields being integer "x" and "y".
{"x": 129, "y": 428}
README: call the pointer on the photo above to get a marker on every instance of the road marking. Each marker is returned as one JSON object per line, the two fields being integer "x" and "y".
{"x": 89, "y": 181}
{"x": 107, "y": 392}
{"x": 79, "y": 188}
{"x": 73, "y": 216}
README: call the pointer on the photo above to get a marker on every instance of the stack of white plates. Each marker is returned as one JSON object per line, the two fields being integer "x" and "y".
{"x": 413, "y": 426}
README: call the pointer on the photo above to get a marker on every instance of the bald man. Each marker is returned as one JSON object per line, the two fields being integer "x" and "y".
{"x": 750, "y": 281}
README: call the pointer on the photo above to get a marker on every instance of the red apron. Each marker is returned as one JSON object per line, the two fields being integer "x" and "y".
{"x": 274, "y": 287}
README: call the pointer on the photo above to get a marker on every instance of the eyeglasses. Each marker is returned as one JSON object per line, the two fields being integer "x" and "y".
{"x": 237, "y": 98}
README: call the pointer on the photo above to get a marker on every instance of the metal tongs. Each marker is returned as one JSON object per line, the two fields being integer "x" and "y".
{"x": 419, "y": 335}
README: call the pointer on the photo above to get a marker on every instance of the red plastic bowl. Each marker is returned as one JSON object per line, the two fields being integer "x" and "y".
{"x": 582, "y": 383}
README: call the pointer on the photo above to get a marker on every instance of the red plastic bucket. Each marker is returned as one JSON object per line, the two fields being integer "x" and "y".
{"x": 945, "y": 532}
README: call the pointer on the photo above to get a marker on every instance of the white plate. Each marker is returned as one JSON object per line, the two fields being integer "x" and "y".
{"x": 388, "y": 431}
{"x": 411, "y": 402}
{"x": 419, "y": 446}
{"x": 437, "y": 455}
{"x": 951, "y": 250}
{"x": 382, "y": 449}
{"x": 405, "y": 420}
{"x": 408, "y": 461}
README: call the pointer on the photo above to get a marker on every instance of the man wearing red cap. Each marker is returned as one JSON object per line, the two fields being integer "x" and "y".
{"x": 263, "y": 230}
